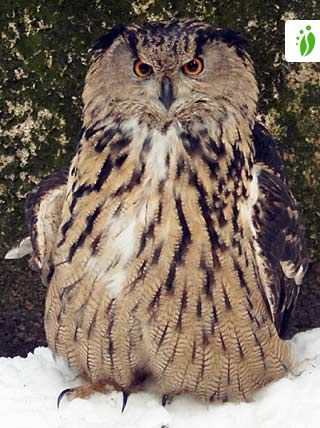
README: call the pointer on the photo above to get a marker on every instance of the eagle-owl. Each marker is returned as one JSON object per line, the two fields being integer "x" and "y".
{"x": 172, "y": 249}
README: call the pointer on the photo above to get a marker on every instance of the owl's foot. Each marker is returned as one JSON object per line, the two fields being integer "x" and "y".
{"x": 86, "y": 391}
{"x": 83, "y": 391}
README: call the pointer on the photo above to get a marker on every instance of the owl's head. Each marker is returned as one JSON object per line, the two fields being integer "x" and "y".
{"x": 166, "y": 72}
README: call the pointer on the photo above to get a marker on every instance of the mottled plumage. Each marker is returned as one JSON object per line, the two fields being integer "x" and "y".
{"x": 173, "y": 251}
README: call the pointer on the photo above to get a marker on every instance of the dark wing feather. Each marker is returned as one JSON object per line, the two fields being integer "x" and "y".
{"x": 280, "y": 233}
{"x": 43, "y": 213}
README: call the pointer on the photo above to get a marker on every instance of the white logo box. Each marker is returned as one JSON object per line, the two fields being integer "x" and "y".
{"x": 292, "y": 44}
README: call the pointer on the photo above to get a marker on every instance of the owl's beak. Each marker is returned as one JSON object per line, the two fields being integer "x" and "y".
{"x": 166, "y": 92}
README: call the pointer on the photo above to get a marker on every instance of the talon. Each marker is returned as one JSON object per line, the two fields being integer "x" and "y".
{"x": 125, "y": 399}
{"x": 62, "y": 394}
{"x": 165, "y": 398}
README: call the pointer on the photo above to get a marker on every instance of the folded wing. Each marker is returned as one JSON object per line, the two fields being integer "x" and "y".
{"x": 43, "y": 215}
{"x": 279, "y": 232}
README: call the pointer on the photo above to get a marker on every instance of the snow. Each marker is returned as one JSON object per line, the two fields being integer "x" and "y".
{"x": 29, "y": 388}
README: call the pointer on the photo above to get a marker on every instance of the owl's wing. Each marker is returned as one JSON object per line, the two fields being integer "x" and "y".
{"x": 43, "y": 212}
{"x": 279, "y": 231}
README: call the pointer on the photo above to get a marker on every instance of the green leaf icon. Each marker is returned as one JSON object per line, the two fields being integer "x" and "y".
{"x": 303, "y": 46}
{"x": 311, "y": 41}
{"x": 307, "y": 44}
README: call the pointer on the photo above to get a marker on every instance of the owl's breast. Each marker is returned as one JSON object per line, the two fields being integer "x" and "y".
{"x": 157, "y": 268}
{"x": 119, "y": 244}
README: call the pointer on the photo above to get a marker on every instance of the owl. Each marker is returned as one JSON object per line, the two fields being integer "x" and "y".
{"x": 172, "y": 248}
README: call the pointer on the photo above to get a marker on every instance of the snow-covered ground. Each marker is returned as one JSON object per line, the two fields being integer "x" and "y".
{"x": 29, "y": 388}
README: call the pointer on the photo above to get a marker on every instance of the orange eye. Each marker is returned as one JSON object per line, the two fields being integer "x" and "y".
{"x": 142, "y": 69}
{"x": 193, "y": 67}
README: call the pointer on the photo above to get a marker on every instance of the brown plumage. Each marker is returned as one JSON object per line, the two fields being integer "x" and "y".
{"x": 176, "y": 252}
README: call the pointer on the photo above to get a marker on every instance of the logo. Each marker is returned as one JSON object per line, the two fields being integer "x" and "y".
{"x": 302, "y": 40}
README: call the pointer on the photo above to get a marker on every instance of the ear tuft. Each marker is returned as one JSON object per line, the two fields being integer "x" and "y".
{"x": 225, "y": 35}
{"x": 107, "y": 39}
